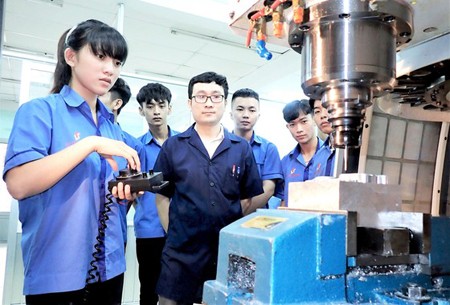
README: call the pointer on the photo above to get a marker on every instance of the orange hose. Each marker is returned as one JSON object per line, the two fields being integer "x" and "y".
{"x": 258, "y": 14}
{"x": 276, "y": 4}
{"x": 249, "y": 34}
{"x": 298, "y": 15}
{"x": 278, "y": 29}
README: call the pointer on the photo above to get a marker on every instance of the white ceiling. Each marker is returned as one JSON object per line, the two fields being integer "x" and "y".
{"x": 157, "y": 49}
{"x": 36, "y": 25}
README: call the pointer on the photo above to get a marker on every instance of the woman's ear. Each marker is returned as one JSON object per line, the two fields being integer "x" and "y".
{"x": 118, "y": 103}
{"x": 70, "y": 56}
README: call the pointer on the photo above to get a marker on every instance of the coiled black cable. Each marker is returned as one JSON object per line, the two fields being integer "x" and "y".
{"x": 93, "y": 272}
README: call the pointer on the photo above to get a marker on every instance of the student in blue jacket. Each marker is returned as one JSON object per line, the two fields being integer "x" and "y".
{"x": 155, "y": 105}
{"x": 62, "y": 152}
{"x": 115, "y": 99}
{"x": 212, "y": 178}
{"x": 320, "y": 115}
{"x": 309, "y": 157}
{"x": 245, "y": 112}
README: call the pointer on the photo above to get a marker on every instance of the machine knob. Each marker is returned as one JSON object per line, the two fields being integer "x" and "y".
{"x": 414, "y": 292}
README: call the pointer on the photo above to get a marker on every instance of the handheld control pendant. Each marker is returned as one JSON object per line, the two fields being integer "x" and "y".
{"x": 139, "y": 181}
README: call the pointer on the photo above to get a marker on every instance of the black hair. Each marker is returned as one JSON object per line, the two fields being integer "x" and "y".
{"x": 122, "y": 91}
{"x": 209, "y": 77}
{"x": 245, "y": 92}
{"x": 311, "y": 103}
{"x": 154, "y": 91}
{"x": 101, "y": 38}
{"x": 292, "y": 110}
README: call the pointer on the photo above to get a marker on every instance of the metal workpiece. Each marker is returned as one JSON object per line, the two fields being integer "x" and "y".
{"x": 349, "y": 57}
{"x": 418, "y": 225}
{"x": 377, "y": 207}
{"x": 369, "y": 200}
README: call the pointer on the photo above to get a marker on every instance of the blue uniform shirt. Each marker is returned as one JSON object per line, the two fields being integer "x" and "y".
{"x": 329, "y": 170}
{"x": 205, "y": 197}
{"x": 146, "y": 220}
{"x": 267, "y": 158}
{"x": 295, "y": 168}
{"x": 136, "y": 145}
{"x": 60, "y": 225}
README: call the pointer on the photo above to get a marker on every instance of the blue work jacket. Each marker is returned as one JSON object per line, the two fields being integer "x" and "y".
{"x": 60, "y": 225}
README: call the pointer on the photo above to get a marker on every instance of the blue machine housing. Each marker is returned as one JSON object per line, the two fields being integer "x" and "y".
{"x": 290, "y": 257}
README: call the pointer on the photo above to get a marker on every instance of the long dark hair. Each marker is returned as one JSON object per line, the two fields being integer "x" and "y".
{"x": 101, "y": 38}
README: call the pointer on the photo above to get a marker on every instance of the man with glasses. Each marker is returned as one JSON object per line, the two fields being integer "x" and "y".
{"x": 212, "y": 177}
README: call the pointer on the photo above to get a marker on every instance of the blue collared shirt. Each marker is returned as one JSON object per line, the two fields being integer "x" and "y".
{"x": 295, "y": 169}
{"x": 139, "y": 147}
{"x": 60, "y": 225}
{"x": 146, "y": 220}
{"x": 329, "y": 171}
{"x": 267, "y": 158}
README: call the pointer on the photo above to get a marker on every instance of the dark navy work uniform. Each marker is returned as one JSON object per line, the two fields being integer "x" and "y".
{"x": 205, "y": 197}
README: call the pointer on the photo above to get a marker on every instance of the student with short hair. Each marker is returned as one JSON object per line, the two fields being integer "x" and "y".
{"x": 155, "y": 106}
{"x": 309, "y": 157}
{"x": 115, "y": 99}
{"x": 245, "y": 112}
{"x": 320, "y": 115}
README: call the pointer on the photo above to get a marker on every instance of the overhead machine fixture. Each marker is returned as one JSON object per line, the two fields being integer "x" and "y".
{"x": 349, "y": 57}
{"x": 348, "y": 50}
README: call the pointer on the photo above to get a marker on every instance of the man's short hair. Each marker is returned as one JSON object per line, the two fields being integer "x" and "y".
{"x": 122, "y": 91}
{"x": 206, "y": 78}
{"x": 153, "y": 91}
{"x": 292, "y": 110}
{"x": 245, "y": 92}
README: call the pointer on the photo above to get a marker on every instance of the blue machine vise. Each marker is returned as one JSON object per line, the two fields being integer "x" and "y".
{"x": 293, "y": 257}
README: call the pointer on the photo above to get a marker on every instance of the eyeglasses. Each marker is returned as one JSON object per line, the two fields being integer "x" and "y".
{"x": 201, "y": 99}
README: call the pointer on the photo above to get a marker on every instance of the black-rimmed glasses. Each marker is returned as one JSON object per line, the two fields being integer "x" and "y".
{"x": 201, "y": 99}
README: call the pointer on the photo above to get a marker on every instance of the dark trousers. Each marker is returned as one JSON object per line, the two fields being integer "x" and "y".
{"x": 148, "y": 251}
{"x": 101, "y": 293}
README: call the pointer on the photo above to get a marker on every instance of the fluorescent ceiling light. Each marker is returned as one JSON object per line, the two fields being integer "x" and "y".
{"x": 30, "y": 55}
{"x": 156, "y": 77}
{"x": 59, "y": 3}
{"x": 211, "y": 9}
